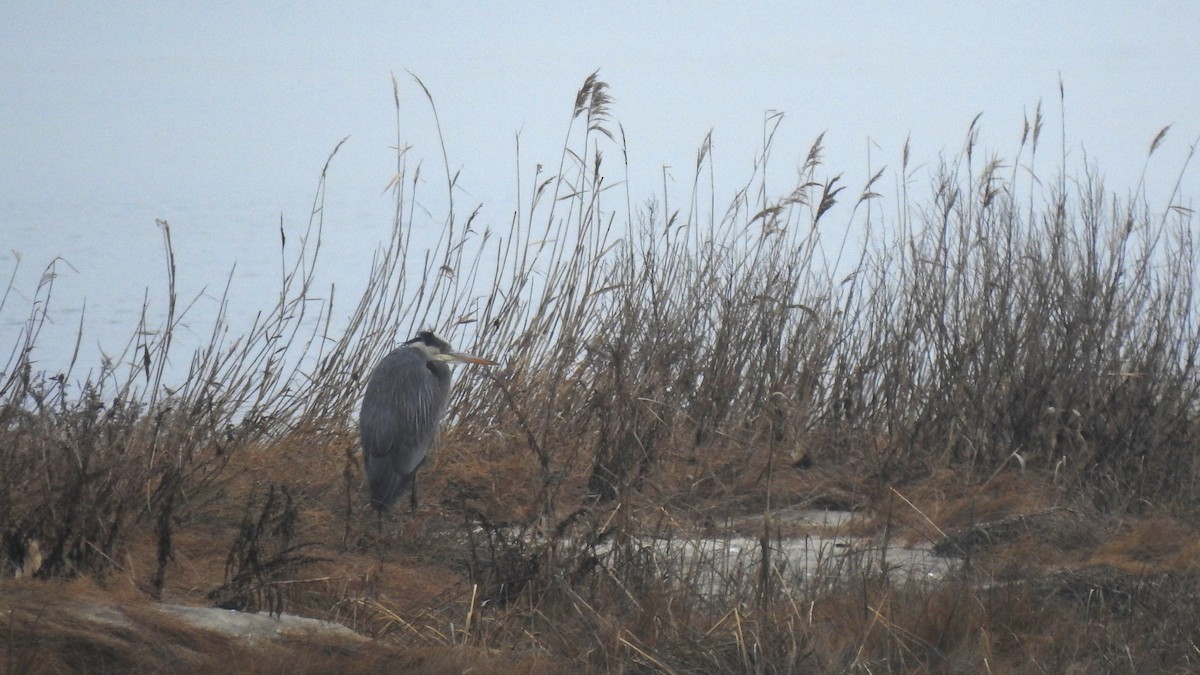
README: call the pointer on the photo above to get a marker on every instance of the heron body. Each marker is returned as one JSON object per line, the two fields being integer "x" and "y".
{"x": 405, "y": 400}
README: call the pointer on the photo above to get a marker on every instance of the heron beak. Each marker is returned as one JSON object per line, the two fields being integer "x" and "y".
{"x": 467, "y": 358}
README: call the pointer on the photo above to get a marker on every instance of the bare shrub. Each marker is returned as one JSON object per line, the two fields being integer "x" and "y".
{"x": 667, "y": 369}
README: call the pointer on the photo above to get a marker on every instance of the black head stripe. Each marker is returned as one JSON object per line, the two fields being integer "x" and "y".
{"x": 430, "y": 339}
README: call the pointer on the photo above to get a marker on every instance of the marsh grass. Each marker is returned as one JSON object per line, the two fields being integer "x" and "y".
{"x": 996, "y": 363}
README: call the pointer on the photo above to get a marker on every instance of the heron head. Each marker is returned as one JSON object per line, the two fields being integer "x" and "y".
{"x": 437, "y": 349}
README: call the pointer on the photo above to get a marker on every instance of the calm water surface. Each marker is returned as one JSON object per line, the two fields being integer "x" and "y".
{"x": 110, "y": 262}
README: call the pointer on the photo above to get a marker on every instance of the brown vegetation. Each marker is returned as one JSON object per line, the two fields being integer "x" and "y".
{"x": 1005, "y": 371}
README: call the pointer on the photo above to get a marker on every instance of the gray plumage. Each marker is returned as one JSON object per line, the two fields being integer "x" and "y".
{"x": 405, "y": 399}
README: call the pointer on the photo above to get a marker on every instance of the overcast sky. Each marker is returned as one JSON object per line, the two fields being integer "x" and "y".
{"x": 219, "y": 115}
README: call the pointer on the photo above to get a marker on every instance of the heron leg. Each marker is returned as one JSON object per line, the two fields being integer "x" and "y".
{"x": 412, "y": 496}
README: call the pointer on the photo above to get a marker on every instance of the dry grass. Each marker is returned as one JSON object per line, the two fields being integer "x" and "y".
{"x": 55, "y": 628}
{"x": 1005, "y": 370}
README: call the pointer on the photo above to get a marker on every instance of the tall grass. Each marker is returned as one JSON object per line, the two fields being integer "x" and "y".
{"x": 665, "y": 370}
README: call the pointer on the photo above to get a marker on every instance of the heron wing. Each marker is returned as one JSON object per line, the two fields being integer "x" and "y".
{"x": 403, "y": 403}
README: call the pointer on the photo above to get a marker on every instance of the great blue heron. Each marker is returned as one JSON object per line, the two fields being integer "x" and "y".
{"x": 406, "y": 398}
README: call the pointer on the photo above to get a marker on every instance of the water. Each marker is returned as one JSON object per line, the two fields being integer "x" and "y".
{"x": 219, "y": 123}
{"x": 810, "y": 546}
{"x": 111, "y": 266}
{"x": 712, "y": 564}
